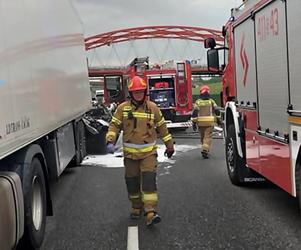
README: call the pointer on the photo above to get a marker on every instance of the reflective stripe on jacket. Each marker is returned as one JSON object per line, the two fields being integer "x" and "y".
{"x": 205, "y": 112}
{"x": 140, "y": 126}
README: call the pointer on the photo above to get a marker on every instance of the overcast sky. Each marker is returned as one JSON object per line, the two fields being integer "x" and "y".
{"x": 99, "y": 16}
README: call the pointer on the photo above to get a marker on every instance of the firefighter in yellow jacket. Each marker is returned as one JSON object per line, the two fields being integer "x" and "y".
{"x": 204, "y": 119}
{"x": 140, "y": 121}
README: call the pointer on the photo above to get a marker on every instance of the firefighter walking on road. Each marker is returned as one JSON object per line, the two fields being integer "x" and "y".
{"x": 203, "y": 119}
{"x": 140, "y": 121}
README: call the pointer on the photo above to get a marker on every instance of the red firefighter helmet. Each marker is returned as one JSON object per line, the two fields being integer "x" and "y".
{"x": 204, "y": 89}
{"x": 136, "y": 83}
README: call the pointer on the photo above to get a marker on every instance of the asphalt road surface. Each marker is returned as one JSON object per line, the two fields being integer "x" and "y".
{"x": 199, "y": 206}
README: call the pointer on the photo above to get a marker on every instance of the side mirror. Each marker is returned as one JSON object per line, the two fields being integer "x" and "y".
{"x": 209, "y": 43}
{"x": 213, "y": 60}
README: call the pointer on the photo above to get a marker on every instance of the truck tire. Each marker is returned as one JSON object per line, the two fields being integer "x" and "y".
{"x": 34, "y": 189}
{"x": 233, "y": 160}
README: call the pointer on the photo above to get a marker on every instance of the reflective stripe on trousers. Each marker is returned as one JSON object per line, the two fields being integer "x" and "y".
{"x": 206, "y": 119}
{"x": 138, "y": 148}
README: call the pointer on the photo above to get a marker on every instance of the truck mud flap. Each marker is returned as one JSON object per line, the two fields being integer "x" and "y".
{"x": 12, "y": 210}
{"x": 248, "y": 175}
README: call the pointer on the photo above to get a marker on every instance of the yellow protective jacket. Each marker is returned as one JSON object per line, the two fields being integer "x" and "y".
{"x": 205, "y": 112}
{"x": 140, "y": 126}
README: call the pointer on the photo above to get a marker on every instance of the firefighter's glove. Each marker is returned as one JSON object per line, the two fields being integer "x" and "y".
{"x": 194, "y": 126}
{"x": 110, "y": 148}
{"x": 169, "y": 152}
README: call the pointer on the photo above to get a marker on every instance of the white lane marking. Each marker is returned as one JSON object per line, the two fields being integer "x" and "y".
{"x": 133, "y": 242}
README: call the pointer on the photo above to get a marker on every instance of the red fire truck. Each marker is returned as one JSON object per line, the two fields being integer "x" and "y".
{"x": 109, "y": 80}
{"x": 261, "y": 91}
{"x": 169, "y": 86}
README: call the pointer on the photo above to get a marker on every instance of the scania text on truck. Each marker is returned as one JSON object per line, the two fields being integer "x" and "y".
{"x": 261, "y": 91}
{"x": 44, "y": 93}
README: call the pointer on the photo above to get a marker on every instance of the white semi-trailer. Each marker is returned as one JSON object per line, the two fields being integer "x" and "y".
{"x": 44, "y": 92}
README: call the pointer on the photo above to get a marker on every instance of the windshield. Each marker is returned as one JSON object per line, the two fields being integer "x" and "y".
{"x": 113, "y": 83}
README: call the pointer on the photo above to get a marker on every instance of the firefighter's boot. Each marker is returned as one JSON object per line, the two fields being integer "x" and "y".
{"x": 152, "y": 218}
{"x": 136, "y": 213}
{"x": 205, "y": 154}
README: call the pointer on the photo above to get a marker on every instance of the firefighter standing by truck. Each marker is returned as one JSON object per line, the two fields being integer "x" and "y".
{"x": 204, "y": 119}
{"x": 140, "y": 121}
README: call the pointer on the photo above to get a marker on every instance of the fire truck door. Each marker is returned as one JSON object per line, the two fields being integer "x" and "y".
{"x": 245, "y": 64}
{"x": 244, "y": 43}
{"x": 294, "y": 48}
{"x": 273, "y": 96}
{"x": 272, "y": 71}
{"x": 113, "y": 88}
{"x": 294, "y": 36}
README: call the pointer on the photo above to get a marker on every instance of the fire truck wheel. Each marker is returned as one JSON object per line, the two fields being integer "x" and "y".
{"x": 234, "y": 161}
{"x": 34, "y": 205}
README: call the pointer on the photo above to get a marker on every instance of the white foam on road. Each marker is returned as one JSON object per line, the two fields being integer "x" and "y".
{"x": 115, "y": 161}
{"x": 108, "y": 160}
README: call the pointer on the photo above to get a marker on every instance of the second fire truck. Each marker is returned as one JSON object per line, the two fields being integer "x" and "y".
{"x": 169, "y": 86}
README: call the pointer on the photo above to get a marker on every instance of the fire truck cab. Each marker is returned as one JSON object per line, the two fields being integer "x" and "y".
{"x": 261, "y": 91}
{"x": 111, "y": 82}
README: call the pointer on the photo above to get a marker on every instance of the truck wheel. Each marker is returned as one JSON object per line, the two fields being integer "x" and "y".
{"x": 234, "y": 161}
{"x": 34, "y": 205}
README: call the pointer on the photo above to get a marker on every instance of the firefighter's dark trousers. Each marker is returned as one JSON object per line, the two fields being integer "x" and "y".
{"x": 206, "y": 137}
{"x": 140, "y": 176}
